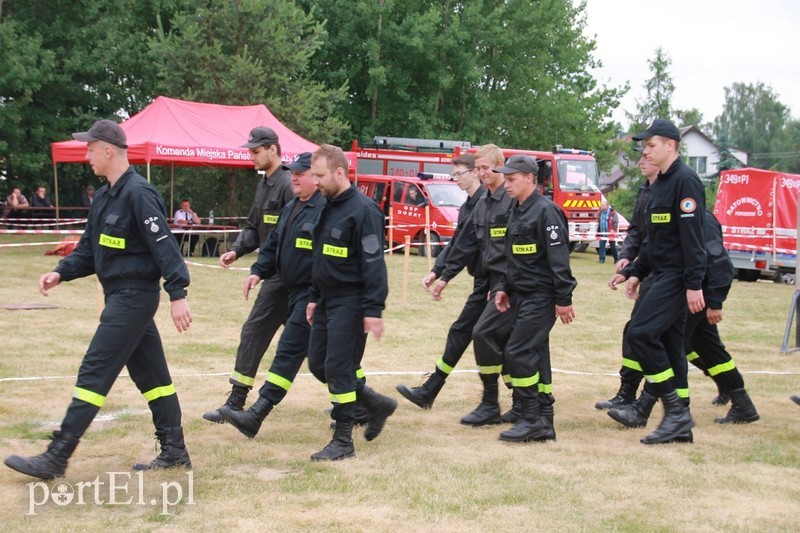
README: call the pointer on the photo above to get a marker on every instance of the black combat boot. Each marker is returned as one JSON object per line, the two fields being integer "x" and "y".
{"x": 340, "y": 447}
{"x": 488, "y": 411}
{"x": 173, "y": 451}
{"x": 247, "y": 422}
{"x": 636, "y": 414}
{"x": 235, "y": 401}
{"x": 546, "y": 412}
{"x": 511, "y": 416}
{"x": 50, "y": 464}
{"x": 424, "y": 395}
{"x": 625, "y": 395}
{"x": 379, "y": 408}
{"x": 742, "y": 409}
{"x": 677, "y": 421}
{"x": 795, "y": 398}
{"x": 529, "y": 426}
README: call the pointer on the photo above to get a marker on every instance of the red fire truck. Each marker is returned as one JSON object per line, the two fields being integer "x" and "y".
{"x": 403, "y": 181}
{"x": 570, "y": 177}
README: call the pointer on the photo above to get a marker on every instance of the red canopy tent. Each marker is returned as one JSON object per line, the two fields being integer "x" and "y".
{"x": 176, "y": 132}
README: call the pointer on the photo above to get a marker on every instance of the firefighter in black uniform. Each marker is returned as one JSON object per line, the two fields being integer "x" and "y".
{"x": 347, "y": 298}
{"x": 703, "y": 347}
{"x": 286, "y": 253}
{"x": 673, "y": 250}
{"x": 538, "y": 273}
{"x": 484, "y": 236}
{"x": 460, "y": 334}
{"x": 271, "y": 307}
{"x": 128, "y": 244}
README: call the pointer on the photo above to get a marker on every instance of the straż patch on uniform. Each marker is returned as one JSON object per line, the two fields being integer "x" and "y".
{"x": 688, "y": 205}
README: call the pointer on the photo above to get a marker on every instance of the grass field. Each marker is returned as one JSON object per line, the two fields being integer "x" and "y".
{"x": 426, "y": 472}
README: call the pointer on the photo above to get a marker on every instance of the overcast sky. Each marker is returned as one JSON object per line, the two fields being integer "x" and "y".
{"x": 712, "y": 44}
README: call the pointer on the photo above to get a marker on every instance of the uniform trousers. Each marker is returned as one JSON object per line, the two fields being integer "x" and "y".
{"x": 655, "y": 333}
{"x": 705, "y": 350}
{"x": 126, "y": 337}
{"x": 528, "y": 347}
{"x": 460, "y": 334}
{"x": 489, "y": 338}
{"x": 335, "y": 350}
{"x": 292, "y": 350}
{"x": 269, "y": 312}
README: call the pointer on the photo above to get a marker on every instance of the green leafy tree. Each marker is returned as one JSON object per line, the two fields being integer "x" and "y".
{"x": 753, "y": 119}
{"x": 657, "y": 102}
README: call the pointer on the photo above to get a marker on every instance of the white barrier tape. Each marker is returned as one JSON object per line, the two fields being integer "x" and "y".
{"x": 50, "y": 221}
{"x": 215, "y": 266}
{"x": 199, "y": 231}
{"x": 14, "y": 245}
{"x": 388, "y": 373}
{"x": 41, "y": 232}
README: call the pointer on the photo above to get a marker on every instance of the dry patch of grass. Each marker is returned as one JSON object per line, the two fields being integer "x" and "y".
{"x": 426, "y": 472}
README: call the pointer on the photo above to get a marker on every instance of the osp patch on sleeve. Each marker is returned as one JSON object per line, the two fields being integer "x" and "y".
{"x": 688, "y": 205}
{"x": 371, "y": 244}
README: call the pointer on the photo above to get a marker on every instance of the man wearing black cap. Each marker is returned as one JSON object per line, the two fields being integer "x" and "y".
{"x": 127, "y": 243}
{"x": 539, "y": 276}
{"x": 271, "y": 307}
{"x": 287, "y": 254}
{"x": 674, "y": 251}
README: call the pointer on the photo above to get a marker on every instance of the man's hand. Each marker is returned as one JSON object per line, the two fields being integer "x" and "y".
{"x": 373, "y": 325}
{"x": 310, "y": 308}
{"x": 501, "y": 301}
{"x": 695, "y": 300}
{"x": 438, "y": 288}
{"x": 48, "y": 281}
{"x": 249, "y": 283}
{"x": 619, "y": 265}
{"x": 227, "y": 259}
{"x": 566, "y": 313}
{"x": 714, "y": 316}
{"x": 632, "y": 288}
{"x": 615, "y": 280}
{"x": 181, "y": 316}
{"x": 427, "y": 280}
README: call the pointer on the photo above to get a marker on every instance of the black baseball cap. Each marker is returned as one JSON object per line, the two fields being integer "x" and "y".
{"x": 301, "y": 164}
{"x": 638, "y": 148}
{"x": 260, "y": 136}
{"x": 519, "y": 163}
{"x": 103, "y": 130}
{"x": 662, "y": 128}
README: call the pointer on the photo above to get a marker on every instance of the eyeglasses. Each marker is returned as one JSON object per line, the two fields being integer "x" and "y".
{"x": 454, "y": 175}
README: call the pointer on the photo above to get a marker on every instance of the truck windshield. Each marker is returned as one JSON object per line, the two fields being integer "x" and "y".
{"x": 447, "y": 195}
{"x": 576, "y": 175}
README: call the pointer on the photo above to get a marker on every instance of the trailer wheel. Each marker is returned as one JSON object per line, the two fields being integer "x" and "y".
{"x": 581, "y": 247}
{"x": 748, "y": 275}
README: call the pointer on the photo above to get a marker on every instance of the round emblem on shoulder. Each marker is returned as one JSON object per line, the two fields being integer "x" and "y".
{"x": 688, "y": 205}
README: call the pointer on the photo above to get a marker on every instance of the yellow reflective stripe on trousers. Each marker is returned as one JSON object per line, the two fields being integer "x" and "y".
{"x": 159, "y": 392}
{"x": 507, "y": 379}
{"x": 661, "y": 377}
{"x": 89, "y": 397}
{"x": 546, "y": 388}
{"x": 719, "y": 369}
{"x": 630, "y": 363}
{"x": 682, "y": 393}
{"x": 691, "y": 356}
{"x": 530, "y": 381}
{"x": 495, "y": 369}
{"x": 241, "y": 378}
{"x": 345, "y": 397}
{"x": 279, "y": 381}
{"x": 444, "y": 367}
{"x": 360, "y": 374}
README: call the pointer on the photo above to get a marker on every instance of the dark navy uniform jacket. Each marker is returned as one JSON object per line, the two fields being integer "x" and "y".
{"x": 127, "y": 241}
{"x": 537, "y": 248}
{"x": 674, "y": 239}
{"x": 348, "y": 252}
{"x": 464, "y": 212}
{"x": 288, "y": 250}
{"x": 638, "y": 225}
{"x": 484, "y": 237}
{"x": 719, "y": 268}
{"x": 272, "y": 195}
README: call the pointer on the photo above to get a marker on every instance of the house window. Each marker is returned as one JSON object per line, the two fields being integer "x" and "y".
{"x": 698, "y": 164}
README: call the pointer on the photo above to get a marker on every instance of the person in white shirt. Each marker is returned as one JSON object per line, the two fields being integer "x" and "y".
{"x": 186, "y": 217}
